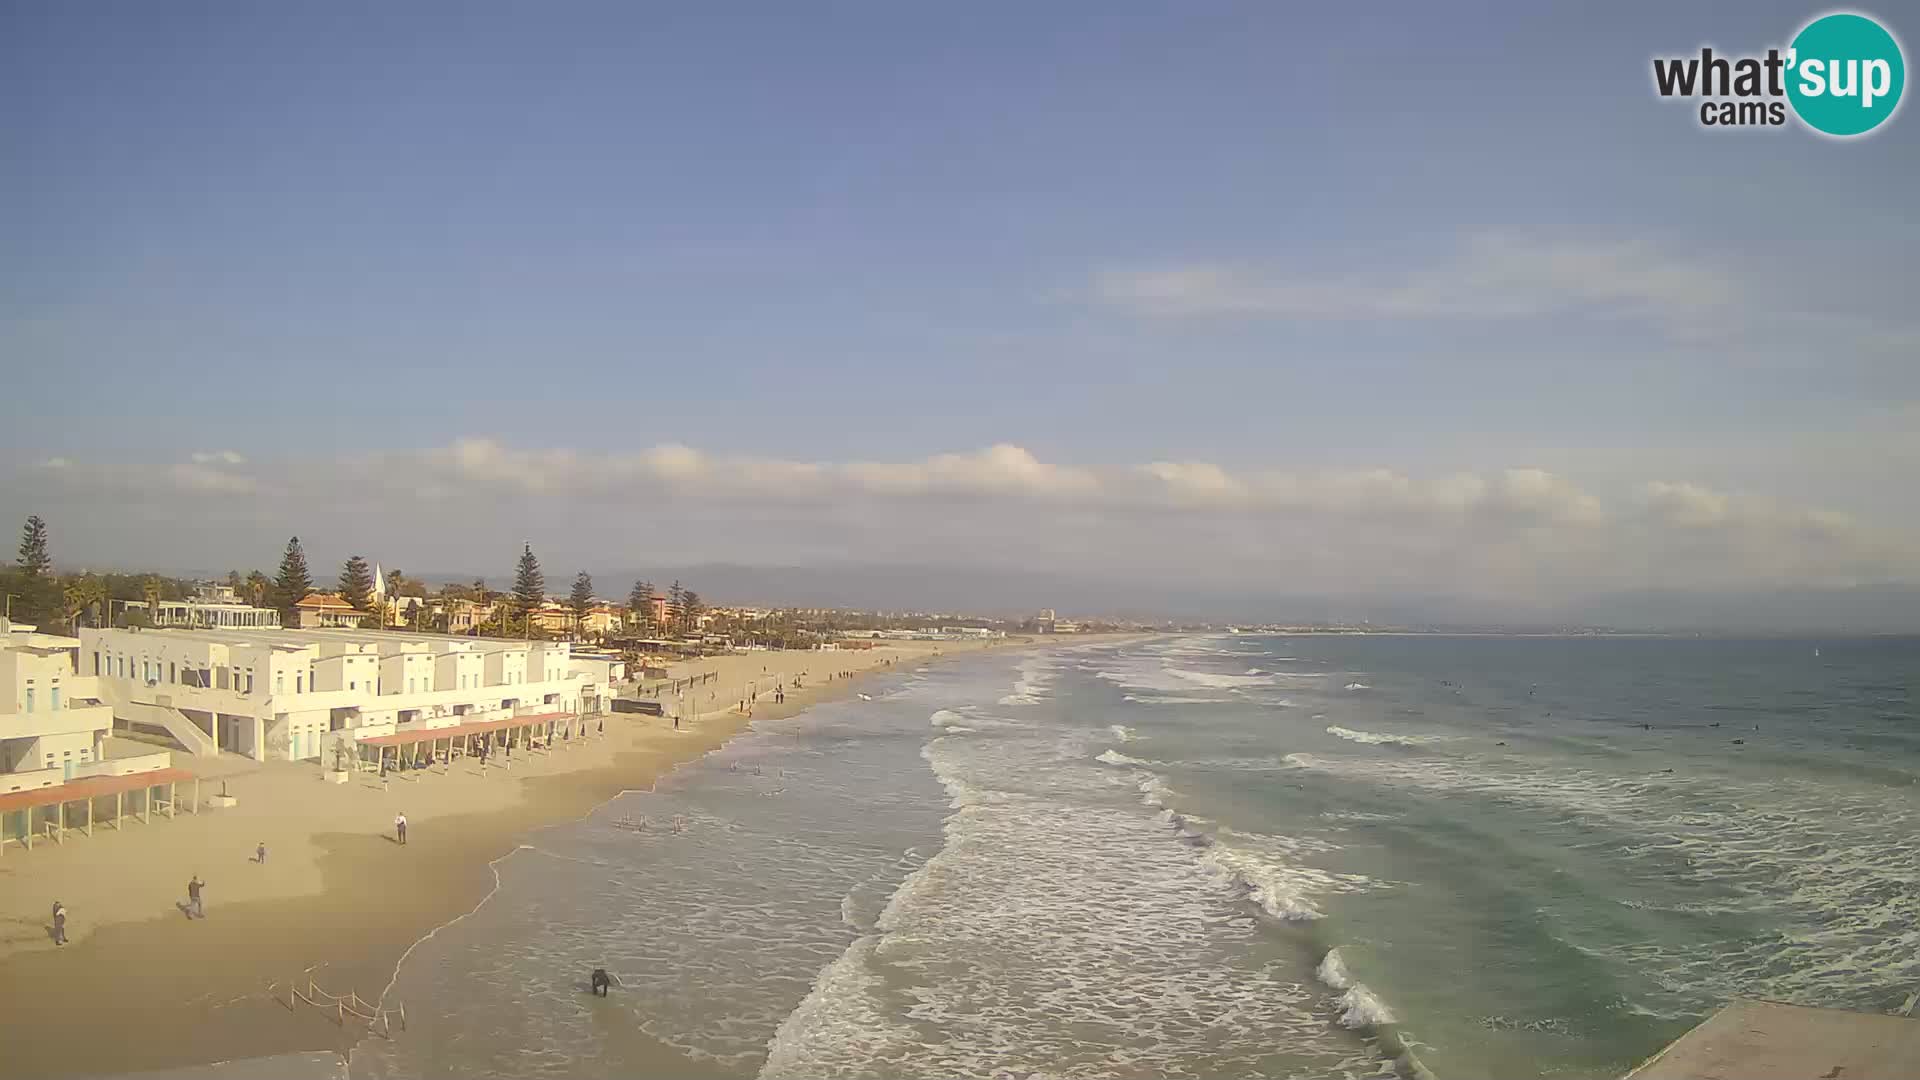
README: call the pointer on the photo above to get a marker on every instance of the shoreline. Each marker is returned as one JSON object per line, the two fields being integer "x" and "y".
{"x": 185, "y": 993}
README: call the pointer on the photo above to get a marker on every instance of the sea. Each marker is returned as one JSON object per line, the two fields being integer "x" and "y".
{"x": 1217, "y": 856}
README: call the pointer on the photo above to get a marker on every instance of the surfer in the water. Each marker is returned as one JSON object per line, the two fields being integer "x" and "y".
{"x": 601, "y": 982}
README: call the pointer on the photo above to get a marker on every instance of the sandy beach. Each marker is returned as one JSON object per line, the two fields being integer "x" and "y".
{"x": 338, "y": 900}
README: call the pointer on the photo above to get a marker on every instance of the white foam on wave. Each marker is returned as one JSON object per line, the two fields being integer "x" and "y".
{"x": 1785, "y": 851}
{"x": 946, "y": 717}
{"x": 1375, "y": 738}
{"x": 1042, "y": 922}
{"x": 1265, "y": 869}
{"x": 842, "y": 1008}
{"x": 1121, "y": 732}
{"x": 1115, "y": 757}
{"x": 1361, "y": 1008}
{"x": 1217, "y": 681}
{"x": 1030, "y": 689}
{"x": 1358, "y": 686}
{"x": 1155, "y": 792}
{"x": 1166, "y": 700}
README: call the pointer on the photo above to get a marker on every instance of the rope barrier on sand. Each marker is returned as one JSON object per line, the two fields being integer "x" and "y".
{"x": 377, "y": 1019}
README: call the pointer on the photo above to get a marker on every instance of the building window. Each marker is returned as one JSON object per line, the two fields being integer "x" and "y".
{"x": 279, "y": 682}
{"x": 29, "y": 707}
{"x": 56, "y": 699}
{"x": 353, "y": 686}
{"x": 173, "y": 672}
{"x": 96, "y": 663}
{"x": 298, "y": 682}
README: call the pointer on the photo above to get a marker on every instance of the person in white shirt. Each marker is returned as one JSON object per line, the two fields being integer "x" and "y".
{"x": 400, "y": 827}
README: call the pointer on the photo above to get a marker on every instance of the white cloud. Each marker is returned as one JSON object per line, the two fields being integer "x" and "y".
{"x": 1495, "y": 275}
{"x": 997, "y": 470}
{"x": 218, "y": 457}
{"x": 1685, "y": 505}
{"x": 1518, "y": 533}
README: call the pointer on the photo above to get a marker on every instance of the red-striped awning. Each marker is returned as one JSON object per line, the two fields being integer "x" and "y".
{"x": 461, "y": 731}
{"x": 89, "y": 787}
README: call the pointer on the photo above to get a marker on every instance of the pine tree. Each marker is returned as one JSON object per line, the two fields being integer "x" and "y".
{"x": 356, "y": 583}
{"x": 676, "y": 605}
{"x": 294, "y": 583}
{"x": 691, "y": 609}
{"x": 38, "y": 592}
{"x": 641, "y": 601}
{"x": 529, "y": 584}
{"x": 580, "y": 599}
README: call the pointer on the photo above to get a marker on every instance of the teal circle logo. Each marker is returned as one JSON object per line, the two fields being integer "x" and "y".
{"x": 1845, "y": 74}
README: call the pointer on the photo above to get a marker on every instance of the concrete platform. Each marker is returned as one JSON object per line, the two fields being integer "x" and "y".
{"x": 1763, "y": 1040}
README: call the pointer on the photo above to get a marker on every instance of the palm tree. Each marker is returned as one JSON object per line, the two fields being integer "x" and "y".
{"x": 86, "y": 593}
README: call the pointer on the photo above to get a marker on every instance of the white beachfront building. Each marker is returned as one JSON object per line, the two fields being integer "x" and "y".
{"x": 294, "y": 694}
{"x": 211, "y": 606}
{"x": 53, "y": 723}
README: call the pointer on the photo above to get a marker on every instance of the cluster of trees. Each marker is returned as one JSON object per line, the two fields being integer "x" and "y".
{"x": 682, "y": 610}
{"x": 33, "y": 592}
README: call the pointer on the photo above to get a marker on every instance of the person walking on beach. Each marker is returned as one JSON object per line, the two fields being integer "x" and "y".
{"x": 59, "y": 923}
{"x": 195, "y": 909}
{"x": 260, "y": 853}
{"x": 400, "y": 828}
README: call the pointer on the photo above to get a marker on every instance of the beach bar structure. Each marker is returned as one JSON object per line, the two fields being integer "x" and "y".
{"x": 1768, "y": 1040}
{"x": 155, "y": 791}
{"x": 415, "y": 749}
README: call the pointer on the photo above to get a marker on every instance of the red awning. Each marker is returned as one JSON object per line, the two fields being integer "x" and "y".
{"x": 461, "y": 731}
{"x": 89, "y": 787}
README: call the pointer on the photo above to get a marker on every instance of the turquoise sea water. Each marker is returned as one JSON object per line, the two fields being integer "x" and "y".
{"x": 1220, "y": 856}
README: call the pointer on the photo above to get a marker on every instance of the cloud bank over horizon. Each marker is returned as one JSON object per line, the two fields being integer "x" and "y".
{"x": 1520, "y": 539}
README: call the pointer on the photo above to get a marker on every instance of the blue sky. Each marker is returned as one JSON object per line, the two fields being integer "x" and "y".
{"x": 1404, "y": 240}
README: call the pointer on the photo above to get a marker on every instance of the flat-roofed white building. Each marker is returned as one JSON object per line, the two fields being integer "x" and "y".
{"x": 295, "y": 693}
{"x": 52, "y": 720}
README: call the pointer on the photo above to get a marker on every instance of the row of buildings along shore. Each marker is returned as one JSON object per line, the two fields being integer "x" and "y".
{"x": 270, "y": 693}
{"x": 99, "y": 715}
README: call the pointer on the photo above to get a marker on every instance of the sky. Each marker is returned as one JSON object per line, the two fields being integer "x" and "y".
{"x": 1328, "y": 301}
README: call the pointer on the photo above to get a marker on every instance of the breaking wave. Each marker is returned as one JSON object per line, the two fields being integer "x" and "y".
{"x": 1361, "y": 1007}
{"x": 1374, "y": 738}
